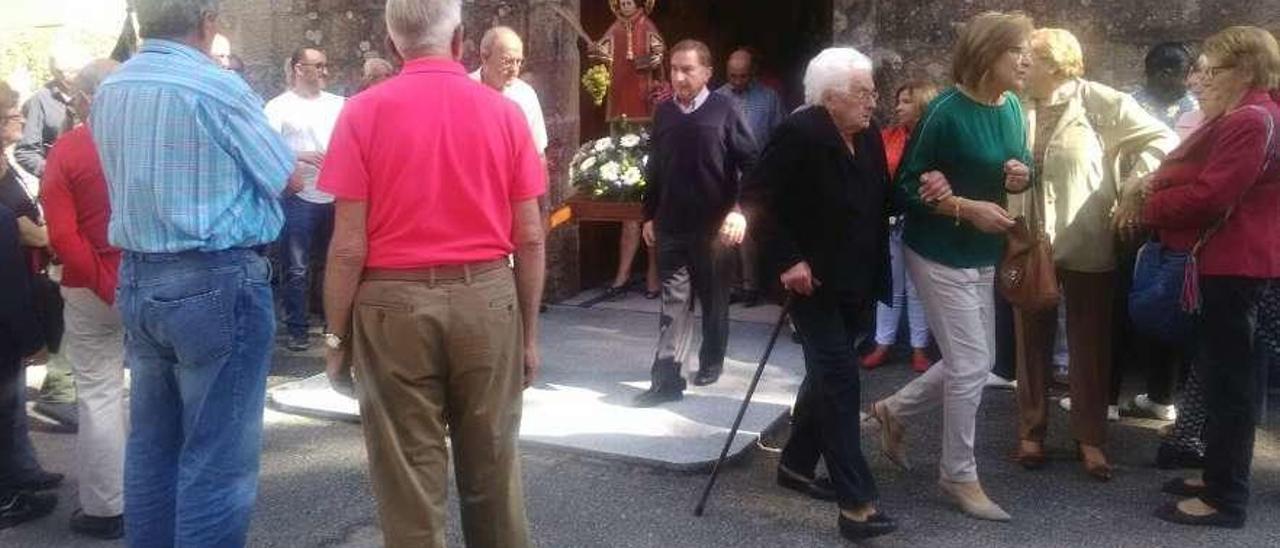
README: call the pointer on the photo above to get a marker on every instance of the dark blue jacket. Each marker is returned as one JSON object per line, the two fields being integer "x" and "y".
{"x": 20, "y": 333}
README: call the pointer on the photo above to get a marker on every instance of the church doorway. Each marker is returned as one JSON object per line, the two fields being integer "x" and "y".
{"x": 786, "y": 34}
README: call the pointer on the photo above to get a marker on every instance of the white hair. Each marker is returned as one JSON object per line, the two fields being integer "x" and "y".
{"x": 493, "y": 36}
{"x": 831, "y": 70}
{"x": 172, "y": 18}
{"x": 423, "y": 25}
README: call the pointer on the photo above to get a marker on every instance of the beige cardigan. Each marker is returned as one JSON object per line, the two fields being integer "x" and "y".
{"x": 1101, "y": 132}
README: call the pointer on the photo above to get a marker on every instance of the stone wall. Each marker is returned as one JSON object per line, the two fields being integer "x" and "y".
{"x": 265, "y": 32}
{"x": 906, "y": 37}
{"x": 914, "y": 37}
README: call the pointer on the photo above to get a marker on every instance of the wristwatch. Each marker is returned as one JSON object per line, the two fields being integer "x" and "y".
{"x": 333, "y": 341}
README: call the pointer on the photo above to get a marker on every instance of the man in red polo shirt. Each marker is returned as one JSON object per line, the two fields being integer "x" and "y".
{"x": 433, "y": 196}
{"x": 77, "y": 208}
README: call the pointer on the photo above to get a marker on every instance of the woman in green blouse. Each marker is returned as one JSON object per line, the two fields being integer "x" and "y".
{"x": 974, "y": 135}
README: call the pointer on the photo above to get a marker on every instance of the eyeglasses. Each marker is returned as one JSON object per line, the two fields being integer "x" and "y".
{"x": 1213, "y": 72}
{"x": 864, "y": 94}
{"x": 510, "y": 62}
{"x": 12, "y": 118}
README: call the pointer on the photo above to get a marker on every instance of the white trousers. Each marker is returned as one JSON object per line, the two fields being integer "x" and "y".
{"x": 904, "y": 296}
{"x": 959, "y": 304}
{"x": 94, "y": 343}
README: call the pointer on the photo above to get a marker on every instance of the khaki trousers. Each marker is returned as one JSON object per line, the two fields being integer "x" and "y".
{"x": 1088, "y": 297}
{"x": 94, "y": 344}
{"x": 434, "y": 358}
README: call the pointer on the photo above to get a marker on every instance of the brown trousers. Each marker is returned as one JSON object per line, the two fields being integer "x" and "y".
{"x": 435, "y": 358}
{"x": 1088, "y": 297}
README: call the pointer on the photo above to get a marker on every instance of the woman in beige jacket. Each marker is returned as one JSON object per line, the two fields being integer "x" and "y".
{"x": 1082, "y": 134}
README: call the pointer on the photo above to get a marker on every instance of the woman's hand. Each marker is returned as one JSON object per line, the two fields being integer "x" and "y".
{"x": 934, "y": 187}
{"x": 986, "y": 216}
{"x": 1017, "y": 176}
{"x": 799, "y": 279}
{"x": 1127, "y": 220}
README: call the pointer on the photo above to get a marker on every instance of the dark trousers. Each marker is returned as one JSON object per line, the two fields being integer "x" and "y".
{"x": 1228, "y": 355}
{"x": 307, "y": 229}
{"x": 826, "y": 419}
{"x": 1006, "y": 339}
{"x": 691, "y": 265}
{"x": 1162, "y": 363}
{"x": 17, "y": 456}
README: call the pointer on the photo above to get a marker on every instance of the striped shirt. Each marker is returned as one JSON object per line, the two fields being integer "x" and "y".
{"x": 190, "y": 161}
{"x": 759, "y": 106}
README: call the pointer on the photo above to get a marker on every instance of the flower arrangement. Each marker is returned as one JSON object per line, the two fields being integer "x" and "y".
{"x": 597, "y": 81}
{"x": 612, "y": 168}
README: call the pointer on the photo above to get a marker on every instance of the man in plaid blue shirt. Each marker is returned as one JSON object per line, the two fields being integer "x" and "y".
{"x": 763, "y": 111}
{"x": 195, "y": 175}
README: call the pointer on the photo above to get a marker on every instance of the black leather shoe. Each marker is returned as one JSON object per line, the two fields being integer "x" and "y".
{"x": 39, "y": 481}
{"x": 105, "y": 528}
{"x": 1169, "y": 457}
{"x": 876, "y": 525}
{"x": 1172, "y": 514}
{"x": 1179, "y": 487}
{"x": 654, "y": 398}
{"x": 21, "y": 507}
{"x": 614, "y": 293}
{"x": 707, "y": 376}
{"x": 819, "y": 488}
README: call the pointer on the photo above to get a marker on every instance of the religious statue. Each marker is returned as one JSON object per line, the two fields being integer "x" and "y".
{"x": 633, "y": 49}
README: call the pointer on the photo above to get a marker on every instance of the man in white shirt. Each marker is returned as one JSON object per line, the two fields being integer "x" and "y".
{"x": 305, "y": 116}
{"x": 501, "y": 55}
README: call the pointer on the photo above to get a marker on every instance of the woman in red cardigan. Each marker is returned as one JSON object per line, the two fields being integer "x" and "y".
{"x": 1226, "y": 168}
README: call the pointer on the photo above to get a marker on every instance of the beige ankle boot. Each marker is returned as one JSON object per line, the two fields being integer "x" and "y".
{"x": 892, "y": 437}
{"x": 973, "y": 501}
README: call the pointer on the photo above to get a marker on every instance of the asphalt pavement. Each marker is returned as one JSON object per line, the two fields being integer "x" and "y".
{"x": 314, "y": 491}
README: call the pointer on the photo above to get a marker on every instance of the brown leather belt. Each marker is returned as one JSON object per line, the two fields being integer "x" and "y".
{"x": 433, "y": 274}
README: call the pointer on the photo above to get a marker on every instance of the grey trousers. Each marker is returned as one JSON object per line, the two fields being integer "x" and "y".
{"x": 691, "y": 266}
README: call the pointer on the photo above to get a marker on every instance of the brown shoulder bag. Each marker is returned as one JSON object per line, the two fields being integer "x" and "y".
{"x": 1026, "y": 276}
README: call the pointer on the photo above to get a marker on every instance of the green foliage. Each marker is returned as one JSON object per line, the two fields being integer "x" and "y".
{"x": 28, "y": 49}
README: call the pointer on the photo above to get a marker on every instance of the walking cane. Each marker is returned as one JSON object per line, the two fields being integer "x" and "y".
{"x": 742, "y": 410}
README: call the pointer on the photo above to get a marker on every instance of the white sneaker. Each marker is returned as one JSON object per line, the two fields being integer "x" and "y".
{"x": 1113, "y": 412}
{"x": 1158, "y": 410}
{"x": 996, "y": 381}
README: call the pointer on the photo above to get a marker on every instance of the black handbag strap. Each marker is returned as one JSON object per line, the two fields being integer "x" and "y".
{"x": 1270, "y": 153}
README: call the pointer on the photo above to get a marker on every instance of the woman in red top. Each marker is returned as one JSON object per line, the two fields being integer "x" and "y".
{"x": 1228, "y": 168}
{"x": 912, "y": 99}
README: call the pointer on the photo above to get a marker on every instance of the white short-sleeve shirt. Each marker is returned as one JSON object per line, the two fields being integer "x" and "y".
{"x": 306, "y": 124}
{"x": 527, "y": 98}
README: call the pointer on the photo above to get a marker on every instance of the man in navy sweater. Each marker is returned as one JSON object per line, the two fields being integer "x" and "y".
{"x": 700, "y": 145}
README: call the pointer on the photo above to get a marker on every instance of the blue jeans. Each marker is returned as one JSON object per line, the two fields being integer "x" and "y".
{"x": 198, "y": 335}
{"x": 307, "y": 229}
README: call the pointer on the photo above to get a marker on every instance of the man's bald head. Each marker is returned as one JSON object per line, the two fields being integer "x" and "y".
{"x": 221, "y": 51}
{"x": 502, "y": 54}
{"x": 741, "y": 69}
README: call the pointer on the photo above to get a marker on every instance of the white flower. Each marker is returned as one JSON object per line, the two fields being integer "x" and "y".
{"x": 603, "y": 145}
{"x": 631, "y": 176}
{"x": 629, "y": 140}
{"x": 644, "y": 161}
{"x": 610, "y": 172}
{"x": 586, "y": 164}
